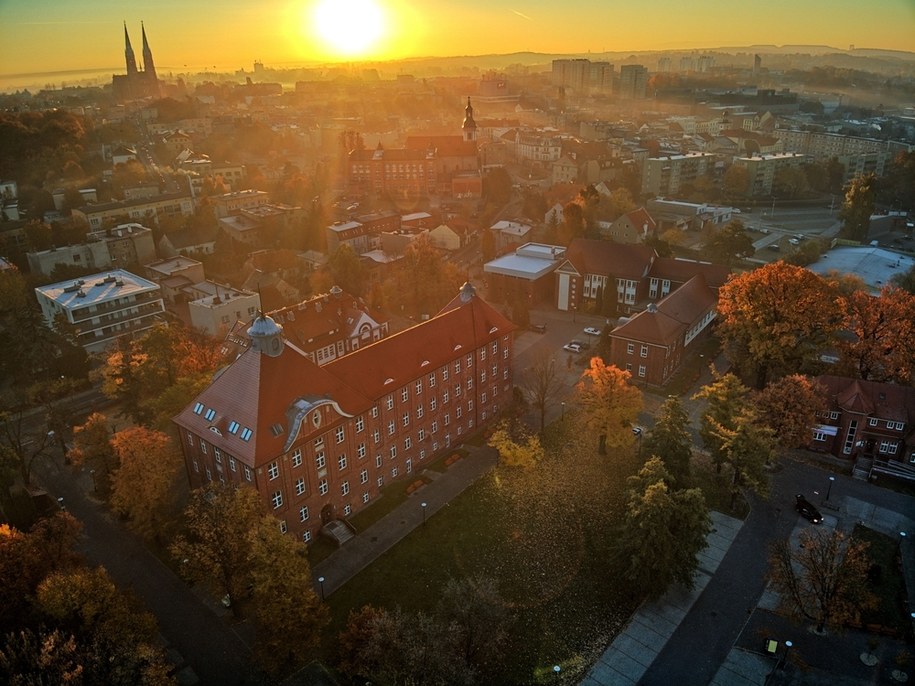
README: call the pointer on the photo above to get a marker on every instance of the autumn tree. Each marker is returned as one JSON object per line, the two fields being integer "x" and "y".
{"x": 424, "y": 281}
{"x": 730, "y": 243}
{"x": 882, "y": 346}
{"x": 144, "y": 485}
{"x": 215, "y": 550}
{"x": 20, "y": 445}
{"x": 905, "y": 280}
{"x": 610, "y": 405}
{"x": 662, "y": 533}
{"x": 115, "y": 638}
{"x": 670, "y": 440}
{"x": 777, "y": 320}
{"x": 748, "y": 448}
{"x": 347, "y": 270}
{"x": 541, "y": 384}
{"x": 514, "y": 450}
{"x": 823, "y": 578}
{"x": 92, "y": 448}
{"x": 789, "y": 407}
{"x": 479, "y": 613}
{"x": 736, "y": 181}
{"x": 858, "y": 206}
{"x": 42, "y": 656}
{"x": 288, "y": 614}
{"x": 725, "y": 399}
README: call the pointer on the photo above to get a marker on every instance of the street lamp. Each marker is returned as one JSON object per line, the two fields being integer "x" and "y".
{"x": 788, "y": 645}
{"x": 423, "y": 505}
{"x": 321, "y": 582}
{"x": 556, "y": 670}
{"x": 637, "y": 431}
{"x": 563, "y": 403}
{"x": 829, "y": 488}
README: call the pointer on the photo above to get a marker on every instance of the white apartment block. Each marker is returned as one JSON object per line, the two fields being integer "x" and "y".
{"x": 103, "y": 307}
{"x": 666, "y": 175}
{"x": 761, "y": 170}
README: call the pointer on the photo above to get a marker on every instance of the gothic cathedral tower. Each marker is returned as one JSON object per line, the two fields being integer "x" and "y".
{"x": 469, "y": 126}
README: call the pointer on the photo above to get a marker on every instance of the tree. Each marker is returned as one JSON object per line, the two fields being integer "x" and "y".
{"x": 736, "y": 182}
{"x": 789, "y": 407}
{"x": 474, "y": 607}
{"x": 777, "y": 320}
{"x": 347, "y": 270}
{"x": 610, "y": 404}
{"x": 883, "y": 344}
{"x": 573, "y": 223}
{"x": 497, "y": 186}
{"x": 145, "y": 483}
{"x": 858, "y": 207}
{"x": 671, "y": 441}
{"x": 92, "y": 449}
{"x": 29, "y": 657}
{"x": 662, "y": 532}
{"x": 288, "y": 614}
{"x": 525, "y": 452}
{"x": 790, "y": 183}
{"x": 114, "y": 637}
{"x": 541, "y": 384}
{"x": 823, "y": 578}
{"x": 726, "y": 397}
{"x": 905, "y": 281}
{"x": 748, "y": 447}
{"x": 730, "y": 243}
{"x": 21, "y": 446}
{"x": 215, "y": 550}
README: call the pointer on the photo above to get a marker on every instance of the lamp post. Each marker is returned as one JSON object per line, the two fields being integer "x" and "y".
{"x": 829, "y": 488}
{"x": 556, "y": 670}
{"x": 423, "y": 506}
{"x": 563, "y": 404}
{"x": 321, "y": 582}
{"x": 637, "y": 431}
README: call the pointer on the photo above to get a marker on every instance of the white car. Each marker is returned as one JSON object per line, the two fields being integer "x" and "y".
{"x": 572, "y": 347}
{"x": 591, "y": 331}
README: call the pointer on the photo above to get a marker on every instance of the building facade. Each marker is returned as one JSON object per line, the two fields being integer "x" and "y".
{"x": 123, "y": 245}
{"x": 666, "y": 175}
{"x": 103, "y": 307}
{"x": 319, "y": 443}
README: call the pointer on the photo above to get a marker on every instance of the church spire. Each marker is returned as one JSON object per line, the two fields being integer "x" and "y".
{"x": 128, "y": 53}
{"x": 469, "y": 126}
{"x": 148, "y": 65}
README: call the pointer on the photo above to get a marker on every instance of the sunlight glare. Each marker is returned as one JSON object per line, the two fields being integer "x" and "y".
{"x": 348, "y": 28}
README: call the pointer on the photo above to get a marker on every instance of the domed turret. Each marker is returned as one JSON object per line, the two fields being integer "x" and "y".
{"x": 468, "y": 292}
{"x": 266, "y": 336}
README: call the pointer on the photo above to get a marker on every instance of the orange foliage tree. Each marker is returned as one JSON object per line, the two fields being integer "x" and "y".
{"x": 883, "y": 347}
{"x": 777, "y": 319}
{"x": 609, "y": 404}
{"x": 788, "y": 407}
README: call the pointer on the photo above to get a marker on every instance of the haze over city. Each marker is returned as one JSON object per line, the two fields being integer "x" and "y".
{"x": 48, "y": 36}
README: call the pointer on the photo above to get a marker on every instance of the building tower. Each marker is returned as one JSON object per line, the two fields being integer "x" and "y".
{"x": 149, "y": 68}
{"x": 266, "y": 336}
{"x": 128, "y": 53}
{"x": 469, "y": 126}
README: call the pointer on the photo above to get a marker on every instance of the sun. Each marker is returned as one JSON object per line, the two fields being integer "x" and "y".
{"x": 348, "y": 28}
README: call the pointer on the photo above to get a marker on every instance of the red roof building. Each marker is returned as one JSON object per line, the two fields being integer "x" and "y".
{"x": 318, "y": 443}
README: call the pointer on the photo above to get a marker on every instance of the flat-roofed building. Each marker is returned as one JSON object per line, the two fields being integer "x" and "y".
{"x": 102, "y": 307}
{"x": 142, "y": 210}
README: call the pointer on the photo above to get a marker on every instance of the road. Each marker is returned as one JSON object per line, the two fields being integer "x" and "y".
{"x": 701, "y": 643}
{"x": 207, "y": 642}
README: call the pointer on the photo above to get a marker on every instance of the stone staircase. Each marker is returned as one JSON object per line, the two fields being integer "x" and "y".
{"x": 338, "y": 531}
{"x": 862, "y": 468}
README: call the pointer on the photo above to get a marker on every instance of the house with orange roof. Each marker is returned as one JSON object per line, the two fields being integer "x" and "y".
{"x": 632, "y": 227}
{"x": 653, "y": 344}
{"x": 319, "y": 442}
{"x": 869, "y": 423}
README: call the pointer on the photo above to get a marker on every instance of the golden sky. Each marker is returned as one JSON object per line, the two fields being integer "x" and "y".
{"x": 55, "y": 35}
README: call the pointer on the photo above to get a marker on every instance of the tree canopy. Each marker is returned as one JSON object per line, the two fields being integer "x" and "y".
{"x": 609, "y": 404}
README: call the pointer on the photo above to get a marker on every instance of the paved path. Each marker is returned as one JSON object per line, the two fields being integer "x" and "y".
{"x": 633, "y": 651}
{"x": 211, "y": 647}
{"x": 359, "y": 552}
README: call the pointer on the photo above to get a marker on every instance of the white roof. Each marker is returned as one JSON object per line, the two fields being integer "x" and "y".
{"x": 95, "y": 289}
{"x": 530, "y": 261}
{"x": 876, "y": 266}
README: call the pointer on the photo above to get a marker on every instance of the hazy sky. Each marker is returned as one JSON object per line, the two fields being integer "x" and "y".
{"x": 61, "y": 35}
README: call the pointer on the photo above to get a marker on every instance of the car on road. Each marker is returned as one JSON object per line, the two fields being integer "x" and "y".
{"x": 591, "y": 331}
{"x": 806, "y": 509}
{"x": 793, "y": 241}
{"x": 539, "y": 328}
{"x": 573, "y": 347}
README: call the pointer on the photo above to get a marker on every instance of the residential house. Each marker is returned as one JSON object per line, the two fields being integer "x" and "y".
{"x": 214, "y": 307}
{"x": 868, "y": 422}
{"x": 509, "y": 234}
{"x": 173, "y": 275}
{"x": 99, "y": 216}
{"x": 632, "y": 227}
{"x": 123, "y": 245}
{"x": 319, "y": 443}
{"x": 190, "y": 241}
{"x": 653, "y": 344}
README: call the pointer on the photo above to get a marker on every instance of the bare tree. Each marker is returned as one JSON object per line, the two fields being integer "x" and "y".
{"x": 824, "y": 578}
{"x": 541, "y": 383}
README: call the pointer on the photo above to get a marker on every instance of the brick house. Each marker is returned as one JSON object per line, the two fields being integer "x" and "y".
{"x": 870, "y": 422}
{"x": 318, "y": 443}
{"x": 652, "y": 344}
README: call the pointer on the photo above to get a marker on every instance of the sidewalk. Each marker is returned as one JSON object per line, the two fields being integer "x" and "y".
{"x": 358, "y": 553}
{"x": 633, "y": 651}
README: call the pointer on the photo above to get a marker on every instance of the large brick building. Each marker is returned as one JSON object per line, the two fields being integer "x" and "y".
{"x": 318, "y": 443}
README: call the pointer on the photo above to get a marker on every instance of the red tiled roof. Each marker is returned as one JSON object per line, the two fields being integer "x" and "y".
{"x": 640, "y": 217}
{"x": 673, "y": 315}
{"x": 682, "y": 271}
{"x": 884, "y": 400}
{"x": 624, "y": 261}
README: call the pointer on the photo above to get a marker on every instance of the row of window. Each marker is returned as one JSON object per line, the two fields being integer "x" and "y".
{"x": 872, "y": 421}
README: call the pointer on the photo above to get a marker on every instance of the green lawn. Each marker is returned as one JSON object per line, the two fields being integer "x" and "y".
{"x": 544, "y": 534}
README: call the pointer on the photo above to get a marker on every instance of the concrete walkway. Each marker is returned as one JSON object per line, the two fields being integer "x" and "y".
{"x": 632, "y": 652}
{"x": 359, "y": 552}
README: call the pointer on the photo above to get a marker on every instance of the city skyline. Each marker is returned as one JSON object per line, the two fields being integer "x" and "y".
{"x": 87, "y": 34}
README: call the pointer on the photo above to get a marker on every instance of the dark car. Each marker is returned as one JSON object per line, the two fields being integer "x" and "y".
{"x": 539, "y": 328}
{"x": 807, "y": 510}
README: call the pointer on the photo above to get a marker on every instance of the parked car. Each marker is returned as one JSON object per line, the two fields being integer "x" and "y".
{"x": 591, "y": 331}
{"x": 539, "y": 328}
{"x": 572, "y": 347}
{"x": 807, "y": 510}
